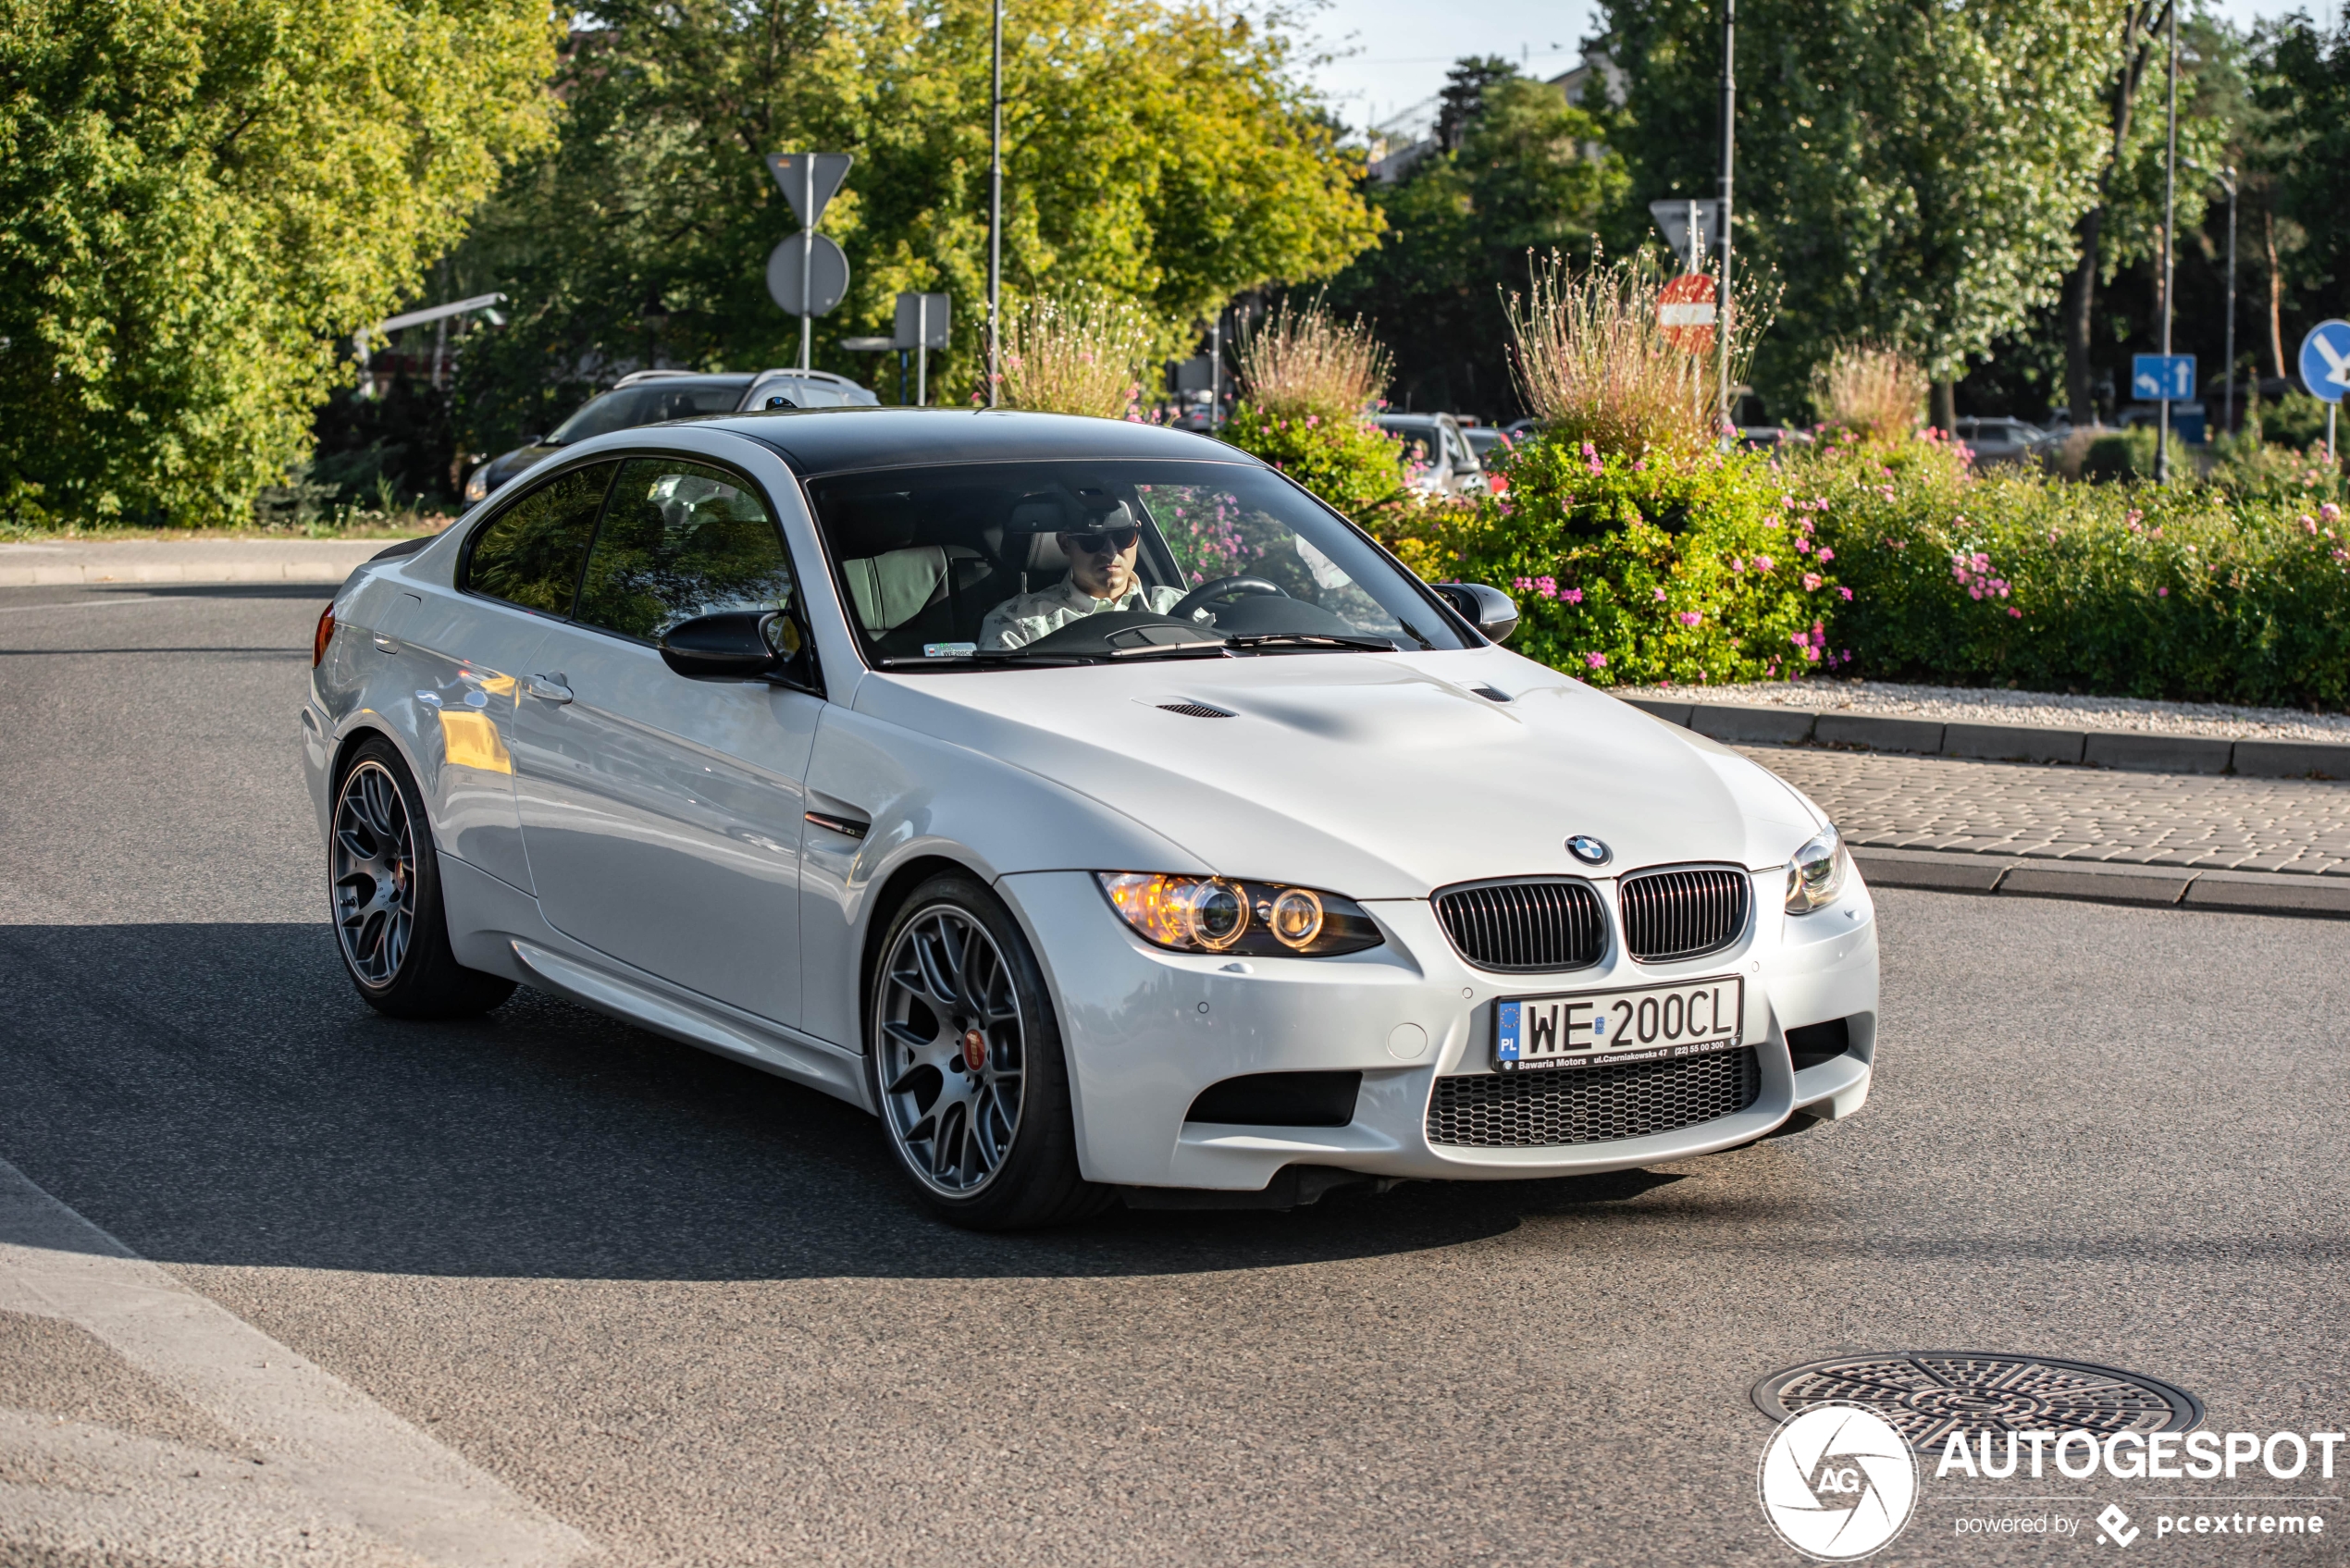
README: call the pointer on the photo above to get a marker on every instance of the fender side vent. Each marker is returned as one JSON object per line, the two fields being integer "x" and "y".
{"x": 1193, "y": 709}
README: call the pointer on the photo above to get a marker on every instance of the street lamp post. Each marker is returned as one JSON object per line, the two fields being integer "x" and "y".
{"x": 995, "y": 201}
{"x": 1729, "y": 152}
{"x": 2170, "y": 250}
{"x": 2228, "y": 419}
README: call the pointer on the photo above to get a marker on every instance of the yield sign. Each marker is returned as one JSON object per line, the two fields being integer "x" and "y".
{"x": 810, "y": 180}
{"x": 2325, "y": 360}
{"x": 1685, "y": 310}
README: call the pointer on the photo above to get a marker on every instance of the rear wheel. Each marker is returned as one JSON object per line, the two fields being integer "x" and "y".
{"x": 383, "y": 884}
{"x": 966, "y": 1067}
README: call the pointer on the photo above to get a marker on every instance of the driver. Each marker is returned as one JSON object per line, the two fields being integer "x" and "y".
{"x": 1101, "y": 576}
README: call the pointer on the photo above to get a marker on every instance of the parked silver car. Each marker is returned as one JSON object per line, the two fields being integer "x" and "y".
{"x": 1437, "y": 454}
{"x": 2002, "y": 440}
{"x": 651, "y": 397}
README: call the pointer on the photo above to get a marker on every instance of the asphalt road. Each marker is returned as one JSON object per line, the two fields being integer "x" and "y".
{"x": 687, "y": 1309}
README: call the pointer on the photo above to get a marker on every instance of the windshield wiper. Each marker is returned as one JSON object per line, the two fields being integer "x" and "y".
{"x": 1312, "y": 639}
{"x": 991, "y": 656}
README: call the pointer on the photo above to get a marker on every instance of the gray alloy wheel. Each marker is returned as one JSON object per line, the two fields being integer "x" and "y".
{"x": 951, "y": 1051}
{"x": 383, "y": 890}
{"x": 374, "y": 872}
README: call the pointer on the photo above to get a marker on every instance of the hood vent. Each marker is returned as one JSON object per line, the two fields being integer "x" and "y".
{"x": 1193, "y": 709}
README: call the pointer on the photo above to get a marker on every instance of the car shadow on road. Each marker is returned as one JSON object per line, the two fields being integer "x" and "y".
{"x": 216, "y": 1093}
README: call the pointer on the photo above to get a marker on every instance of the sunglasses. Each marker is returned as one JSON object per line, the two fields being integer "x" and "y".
{"x": 1105, "y": 541}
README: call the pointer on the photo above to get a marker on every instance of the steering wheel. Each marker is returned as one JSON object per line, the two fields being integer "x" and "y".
{"x": 1222, "y": 587}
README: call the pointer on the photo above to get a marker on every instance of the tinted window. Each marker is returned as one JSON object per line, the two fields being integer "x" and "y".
{"x": 650, "y": 403}
{"x": 946, "y": 563}
{"x": 681, "y": 539}
{"x": 530, "y": 553}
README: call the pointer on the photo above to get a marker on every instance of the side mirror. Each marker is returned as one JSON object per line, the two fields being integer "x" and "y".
{"x": 1488, "y": 609}
{"x": 741, "y": 645}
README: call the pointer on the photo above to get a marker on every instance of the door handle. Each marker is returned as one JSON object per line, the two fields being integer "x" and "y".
{"x": 549, "y": 688}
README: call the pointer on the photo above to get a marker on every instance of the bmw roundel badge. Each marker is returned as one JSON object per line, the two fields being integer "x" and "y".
{"x": 1589, "y": 850}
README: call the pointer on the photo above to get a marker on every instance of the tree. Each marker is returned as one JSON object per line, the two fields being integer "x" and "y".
{"x": 1912, "y": 171}
{"x": 2124, "y": 224}
{"x": 2305, "y": 89}
{"x": 1529, "y": 175}
{"x": 1161, "y": 152}
{"x": 197, "y": 197}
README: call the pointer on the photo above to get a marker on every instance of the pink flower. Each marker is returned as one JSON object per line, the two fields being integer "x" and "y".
{"x": 1659, "y": 596}
{"x": 1764, "y": 563}
{"x": 1826, "y": 555}
{"x": 1573, "y": 595}
{"x": 1547, "y": 587}
{"x": 1596, "y": 660}
{"x": 1847, "y": 593}
{"x": 1737, "y": 563}
{"x": 1688, "y": 617}
{"x": 1590, "y": 451}
{"x": 1521, "y": 584}
{"x": 1803, "y": 547}
{"x": 2331, "y": 513}
{"x": 2162, "y": 593}
{"x": 1812, "y": 654}
{"x": 2309, "y": 525}
{"x": 1981, "y": 561}
{"x": 1811, "y": 581}
{"x": 1975, "y": 592}
{"x": 2014, "y": 611}
{"x": 1801, "y": 639}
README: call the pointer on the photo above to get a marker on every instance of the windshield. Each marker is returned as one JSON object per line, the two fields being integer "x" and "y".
{"x": 650, "y": 402}
{"x": 1013, "y": 562}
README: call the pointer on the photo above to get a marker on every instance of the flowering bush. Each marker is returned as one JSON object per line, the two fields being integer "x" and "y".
{"x": 1696, "y": 569}
{"x": 1348, "y": 461}
{"x": 2189, "y": 591}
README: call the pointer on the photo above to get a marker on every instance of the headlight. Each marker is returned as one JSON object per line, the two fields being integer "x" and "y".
{"x": 1222, "y": 915}
{"x": 1815, "y": 874}
{"x": 477, "y": 483}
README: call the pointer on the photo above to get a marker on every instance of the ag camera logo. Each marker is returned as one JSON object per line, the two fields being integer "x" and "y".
{"x": 1837, "y": 1482}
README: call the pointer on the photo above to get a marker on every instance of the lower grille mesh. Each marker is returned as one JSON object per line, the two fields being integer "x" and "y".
{"x": 1534, "y": 1110}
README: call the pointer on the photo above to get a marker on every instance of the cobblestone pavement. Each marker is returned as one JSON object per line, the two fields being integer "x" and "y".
{"x": 1888, "y": 801}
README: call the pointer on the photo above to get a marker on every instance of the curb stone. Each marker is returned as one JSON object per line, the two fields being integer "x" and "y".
{"x": 74, "y": 562}
{"x": 2262, "y": 893}
{"x": 2134, "y": 751}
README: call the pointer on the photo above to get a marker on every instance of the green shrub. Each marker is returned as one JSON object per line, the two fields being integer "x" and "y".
{"x": 2186, "y": 591}
{"x": 1352, "y": 464}
{"x": 2125, "y": 455}
{"x": 1697, "y": 569}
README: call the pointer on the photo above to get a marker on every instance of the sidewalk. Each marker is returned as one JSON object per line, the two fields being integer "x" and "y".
{"x": 67, "y": 562}
{"x": 2276, "y": 845}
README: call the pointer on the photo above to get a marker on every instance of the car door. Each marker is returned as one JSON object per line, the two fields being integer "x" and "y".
{"x": 463, "y": 650}
{"x": 663, "y": 814}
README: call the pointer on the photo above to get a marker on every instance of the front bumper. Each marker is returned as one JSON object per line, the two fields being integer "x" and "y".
{"x": 1144, "y": 1030}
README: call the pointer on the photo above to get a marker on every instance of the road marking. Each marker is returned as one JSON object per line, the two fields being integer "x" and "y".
{"x": 329, "y": 1457}
{"x": 108, "y": 603}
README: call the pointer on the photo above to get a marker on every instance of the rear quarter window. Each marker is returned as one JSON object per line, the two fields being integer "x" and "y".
{"x": 532, "y": 552}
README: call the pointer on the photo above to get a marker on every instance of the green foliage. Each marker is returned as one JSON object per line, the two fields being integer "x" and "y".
{"x": 2184, "y": 591}
{"x": 2125, "y": 455}
{"x": 1699, "y": 570}
{"x": 1350, "y": 463}
{"x": 2305, "y": 94}
{"x": 1518, "y": 176}
{"x": 196, "y": 198}
{"x": 1917, "y": 169}
{"x": 1163, "y": 154}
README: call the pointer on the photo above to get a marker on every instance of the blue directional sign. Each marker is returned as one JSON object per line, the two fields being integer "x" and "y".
{"x": 2162, "y": 378}
{"x": 2325, "y": 360}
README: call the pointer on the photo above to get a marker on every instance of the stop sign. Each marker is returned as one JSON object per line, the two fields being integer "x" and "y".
{"x": 1685, "y": 310}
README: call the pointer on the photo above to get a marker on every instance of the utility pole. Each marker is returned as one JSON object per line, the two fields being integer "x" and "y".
{"x": 995, "y": 202}
{"x": 807, "y": 254}
{"x": 2170, "y": 249}
{"x": 2228, "y": 420}
{"x": 1729, "y": 154}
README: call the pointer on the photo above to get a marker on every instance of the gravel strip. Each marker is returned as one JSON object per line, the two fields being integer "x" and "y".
{"x": 2043, "y": 710}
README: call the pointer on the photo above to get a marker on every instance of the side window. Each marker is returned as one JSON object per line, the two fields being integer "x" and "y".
{"x": 679, "y": 540}
{"x": 530, "y": 553}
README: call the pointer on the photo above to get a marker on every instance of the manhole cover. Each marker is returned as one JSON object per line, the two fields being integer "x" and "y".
{"x": 1929, "y": 1394}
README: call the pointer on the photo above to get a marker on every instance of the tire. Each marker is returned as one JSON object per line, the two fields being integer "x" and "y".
{"x": 964, "y": 1058}
{"x": 383, "y": 893}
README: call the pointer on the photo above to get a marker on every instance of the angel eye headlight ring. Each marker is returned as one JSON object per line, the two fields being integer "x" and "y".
{"x": 1227, "y": 915}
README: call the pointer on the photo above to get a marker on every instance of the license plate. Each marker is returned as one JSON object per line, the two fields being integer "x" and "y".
{"x": 1653, "y": 1023}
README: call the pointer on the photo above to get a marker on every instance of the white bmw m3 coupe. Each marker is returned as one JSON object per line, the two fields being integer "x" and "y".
{"x": 1084, "y": 799}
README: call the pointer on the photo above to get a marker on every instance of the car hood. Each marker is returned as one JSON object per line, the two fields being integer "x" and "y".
{"x": 1378, "y": 776}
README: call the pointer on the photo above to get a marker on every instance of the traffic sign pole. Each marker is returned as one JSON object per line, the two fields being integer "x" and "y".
{"x": 807, "y": 257}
